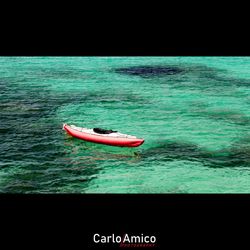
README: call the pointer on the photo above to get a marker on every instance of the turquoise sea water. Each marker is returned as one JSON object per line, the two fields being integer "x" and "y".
{"x": 193, "y": 112}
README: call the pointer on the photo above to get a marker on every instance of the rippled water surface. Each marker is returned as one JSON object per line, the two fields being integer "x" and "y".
{"x": 193, "y": 112}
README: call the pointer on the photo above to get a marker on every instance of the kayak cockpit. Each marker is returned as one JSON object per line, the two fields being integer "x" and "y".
{"x": 103, "y": 131}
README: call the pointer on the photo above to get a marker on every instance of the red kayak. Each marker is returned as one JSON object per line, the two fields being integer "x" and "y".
{"x": 107, "y": 137}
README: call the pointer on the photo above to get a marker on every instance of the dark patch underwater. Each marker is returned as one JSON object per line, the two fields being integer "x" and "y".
{"x": 150, "y": 71}
{"x": 171, "y": 151}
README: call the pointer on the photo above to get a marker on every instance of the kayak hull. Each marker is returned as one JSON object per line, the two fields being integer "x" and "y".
{"x": 112, "y": 141}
